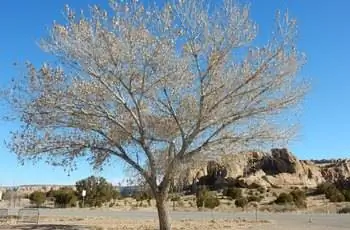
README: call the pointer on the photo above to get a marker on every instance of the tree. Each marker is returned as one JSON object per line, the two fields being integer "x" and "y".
{"x": 156, "y": 87}
{"x": 37, "y": 198}
{"x": 64, "y": 197}
{"x": 98, "y": 190}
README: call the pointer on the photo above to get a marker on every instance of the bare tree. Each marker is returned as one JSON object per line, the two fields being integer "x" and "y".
{"x": 156, "y": 86}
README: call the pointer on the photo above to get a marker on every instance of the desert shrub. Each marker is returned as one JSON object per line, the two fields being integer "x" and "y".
{"x": 207, "y": 199}
{"x": 228, "y": 203}
{"x": 299, "y": 198}
{"x": 325, "y": 188}
{"x": 344, "y": 210}
{"x": 111, "y": 205}
{"x": 261, "y": 190}
{"x": 233, "y": 193}
{"x": 274, "y": 194}
{"x": 8, "y": 194}
{"x": 211, "y": 202}
{"x": 332, "y": 192}
{"x": 335, "y": 196}
{"x": 296, "y": 197}
{"x": 284, "y": 198}
{"x": 142, "y": 196}
{"x": 37, "y": 198}
{"x": 65, "y": 197}
{"x": 346, "y": 194}
{"x": 254, "y": 199}
{"x": 250, "y": 192}
{"x": 298, "y": 194}
{"x": 241, "y": 202}
{"x": 254, "y": 186}
{"x": 175, "y": 198}
{"x": 181, "y": 203}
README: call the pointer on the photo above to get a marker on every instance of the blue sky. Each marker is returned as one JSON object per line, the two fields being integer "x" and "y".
{"x": 324, "y": 35}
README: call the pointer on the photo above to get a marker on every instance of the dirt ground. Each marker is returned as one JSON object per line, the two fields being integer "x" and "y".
{"x": 118, "y": 224}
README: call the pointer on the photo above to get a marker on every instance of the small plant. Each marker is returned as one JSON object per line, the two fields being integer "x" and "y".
{"x": 261, "y": 190}
{"x": 325, "y": 188}
{"x": 332, "y": 192}
{"x": 253, "y": 199}
{"x": 233, "y": 193}
{"x": 335, "y": 196}
{"x": 206, "y": 199}
{"x": 241, "y": 202}
{"x": 212, "y": 202}
{"x": 298, "y": 194}
{"x": 344, "y": 210}
{"x": 284, "y": 198}
{"x": 299, "y": 198}
{"x": 181, "y": 203}
{"x": 346, "y": 194}
{"x": 175, "y": 198}
{"x": 296, "y": 197}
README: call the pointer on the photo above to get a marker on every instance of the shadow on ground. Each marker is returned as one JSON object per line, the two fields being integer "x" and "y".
{"x": 42, "y": 227}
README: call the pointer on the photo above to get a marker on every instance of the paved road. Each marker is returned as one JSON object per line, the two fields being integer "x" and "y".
{"x": 281, "y": 220}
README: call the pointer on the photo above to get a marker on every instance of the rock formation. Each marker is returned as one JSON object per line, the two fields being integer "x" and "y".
{"x": 279, "y": 168}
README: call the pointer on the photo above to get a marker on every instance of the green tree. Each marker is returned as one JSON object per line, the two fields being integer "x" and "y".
{"x": 38, "y": 198}
{"x": 65, "y": 197}
{"x": 98, "y": 191}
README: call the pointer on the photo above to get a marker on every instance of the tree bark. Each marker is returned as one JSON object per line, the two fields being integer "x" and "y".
{"x": 163, "y": 215}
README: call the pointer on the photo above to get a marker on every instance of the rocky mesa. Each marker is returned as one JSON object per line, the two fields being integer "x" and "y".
{"x": 278, "y": 168}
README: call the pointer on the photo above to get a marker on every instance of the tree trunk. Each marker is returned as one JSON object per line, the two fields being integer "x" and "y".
{"x": 163, "y": 215}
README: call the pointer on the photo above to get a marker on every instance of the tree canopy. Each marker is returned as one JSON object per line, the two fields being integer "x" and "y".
{"x": 98, "y": 191}
{"x": 157, "y": 86}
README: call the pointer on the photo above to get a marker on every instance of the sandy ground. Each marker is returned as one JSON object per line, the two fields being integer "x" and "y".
{"x": 138, "y": 220}
{"x": 118, "y": 224}
{"x": 127, "y": 217}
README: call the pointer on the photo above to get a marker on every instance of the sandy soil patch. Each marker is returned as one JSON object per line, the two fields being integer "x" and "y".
{"x": 101, "y": 223}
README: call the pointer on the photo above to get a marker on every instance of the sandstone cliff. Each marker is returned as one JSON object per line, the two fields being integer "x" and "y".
{"x": 278, "y": 168}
